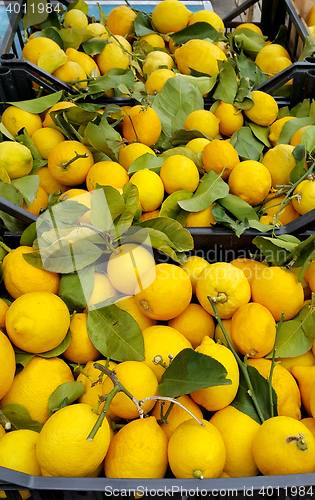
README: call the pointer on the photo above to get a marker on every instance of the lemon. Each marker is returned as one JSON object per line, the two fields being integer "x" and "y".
{"x": 170, "y": 16}
{"x": 29, "y": 321}
{"x": 196, "y": 451}
{"x": 16, "y": 159}
{"x": 75, "y": 18}
{"x": 179, "y": 172}
{"x": 200, "y": 55}
{"x": 138, "y": 450}
{"x": 150, "y": 188}
{"x": 284, "y": 445}
{"x": 34, "y": 385}
{"x": 61, "y": 455}
{"x": 156, "y": 60}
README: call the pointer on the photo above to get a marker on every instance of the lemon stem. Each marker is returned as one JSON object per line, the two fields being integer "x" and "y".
{"x": 272, "y": 412}
{"x": 172, "y": 400}
{"x": 299, "y": 441}
{"x": 5, "y": 247}
{"x": 158, "y": 360}
{"x": 4, "y": 421}
{"x": 109, "y": 397}
{"x": 221, "y": 298}
{"x": 243, "y": 366}
{"x": 198, "y": 474}
{"x": 66, "y": 165}
{"x": 91, "y": 379}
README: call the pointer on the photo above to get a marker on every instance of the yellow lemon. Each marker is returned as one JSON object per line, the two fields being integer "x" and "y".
{"x": 179, "y": 172}
{"x": 150, "y": 188}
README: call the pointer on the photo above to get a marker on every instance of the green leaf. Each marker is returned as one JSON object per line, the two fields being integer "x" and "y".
{"x": 191, "y": 371}
{"x": 243, "y": 98}
{"x": 93, "y": 47}
{"x": 222, "y": 217}
{"x": 23, "y": 358}
{"x": 10, "y": 193}
{"x": 131, "y": 198}
{"x": 73, "y": 37}
{"x": 176, "y": 101}
{"x": 52, "y": 32}
{"x": 113, "y": 79}
{"x": 64, "y": 395}
{"x": 142, "y": 25}
{"x": 20, "y": 417}
{"x": 76, "y": 288}
{"x": 24, "y": 138}
{"x": 296, "y": 336}
{"x": 299, "y": 153}
{"x": 28, "y": 187}
{"x": 308, "y": 49}
{"x": 246, "y": 144}
{"x": 247, "y": 41}
{"x": 248, "y": 70}
{"x": 57, "y": 351}
{"x": 40, "y": 104}
{"x": 115, "y": 333}
{"x": 147, "y": 160}
{"x": 106, "y": 205}
{"x": 238, "y": 207}
{"x": 177, "y": 236}
{"x": 227, "y": 86}
{"x": 170, "y": 207}
{"x": 67, "y": 211}
{"x": 181, "y": 137}
{"x": 291, "y": 126}
{"x": 33, "y": 14}
{"x": 211, "y": 188}
{"x": 204, "y": 83}
{"x": 80, "y": 5}
{"x": 63, "y": 257}
{"x": 263, "y": 228}
{"x": 200, "y": 30}
{"x": 274, "y": 249}
{"x": 261, "y": 133}
{"x": 244, "y": 403}
{"x": 104, "y": 138}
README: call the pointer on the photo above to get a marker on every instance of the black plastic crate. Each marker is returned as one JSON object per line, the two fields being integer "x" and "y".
{"x": 273, "y": 14}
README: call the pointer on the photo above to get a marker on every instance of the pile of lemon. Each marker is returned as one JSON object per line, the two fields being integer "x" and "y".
{"x": 162, "y": 58}
{"x": 215, "y": 439}
{"x": 71, "y": 171}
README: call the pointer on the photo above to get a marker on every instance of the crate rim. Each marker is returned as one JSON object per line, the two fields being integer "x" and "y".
{"x": 14, "y": 479}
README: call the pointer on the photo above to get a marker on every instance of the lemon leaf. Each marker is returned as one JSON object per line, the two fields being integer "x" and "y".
{"x": 246, "y": 144}
{"x": 261, "y": 133}
{"x": 146, "y": 160}
{"x": 40, "y": 104}
{"x": 222, "y": 217}
{"x": 244, "y": 403}
{"x": 142, "y": 25}
{"x": 200, "y": 30}
{"x": 181, "y": 137}
{"x": 299, "y": 154}
{"x": 28, "y": 187}
{"x": 76, "y": 288}
{"x": 191, "y": 371}
{"x": 20, "y": 418}
{"x": 291, "y": 126}
{"x": 170, "y": 207}
{"x": 80, "y": 5}
{"x": 227, "y": 87}
{"x": 131, "y": 198}
{"x": 274, "y": 249}
{"x": 211, "y": 188}
{"x": 115, "y": 333}
{"x": 93, "y": 47}
{"x": 238, "y": 207}
{"x": 175, "y": 235}
{"x": 106, "y": 205}
{"x": 177, "y": 100}
{"x": 73, "y": 37}
{"x": 64, "y": 395}
{"x": 51, "y": 32}
{"x": 33, "y": 14}
{"x": 296, "y": 336}
{"x": 249, "y": 71}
